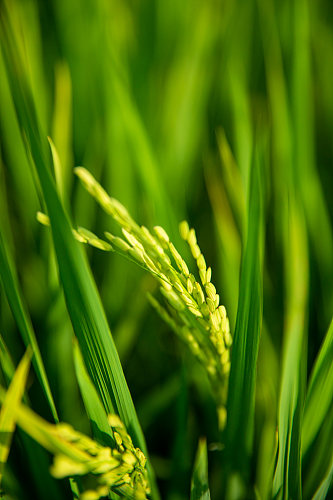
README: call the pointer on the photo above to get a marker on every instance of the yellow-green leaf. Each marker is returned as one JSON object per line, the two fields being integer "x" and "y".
{"x": 8, "y": 409}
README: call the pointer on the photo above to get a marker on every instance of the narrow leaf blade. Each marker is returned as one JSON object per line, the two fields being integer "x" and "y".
{"x": 240, "y": 420}
{"x": 287, "y": 479}
{"x": 11, "y": 286}
{"x": 319, "y": 394}
{"x": 8, "y": 409}
{"x": 199, "y": 485}
{"x": 82, "y": 299}
{"x": 95, "y": 410}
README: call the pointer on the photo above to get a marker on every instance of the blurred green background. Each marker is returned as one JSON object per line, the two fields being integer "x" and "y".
{"x": 163, "y": 101}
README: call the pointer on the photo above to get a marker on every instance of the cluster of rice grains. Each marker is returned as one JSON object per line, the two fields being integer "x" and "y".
{"x": 192, "y": 308}
{"x": 121, "y": 468}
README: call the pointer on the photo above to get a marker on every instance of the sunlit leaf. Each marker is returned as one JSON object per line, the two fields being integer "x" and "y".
{"x": 199, "y": 485}
{"x": 9, "y": 407}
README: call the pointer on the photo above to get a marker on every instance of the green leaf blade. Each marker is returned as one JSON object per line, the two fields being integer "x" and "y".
{"x": 199, "y": 485}
{"x": 287, "y": 479}
{"x": 14, "y": 296}
{"x": 82, "y": 299}
{"x": 240, "y": 407}
{"x": 8, "y": 409}
{"x": 319, "y": 394}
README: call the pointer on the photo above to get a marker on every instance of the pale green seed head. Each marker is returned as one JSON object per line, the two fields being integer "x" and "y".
{"x": 222, "y": 416}
{"x": 162, "y": 235}
{"x": 121, "y": 211}
{"x": 210, "y": 291}
{"x": 94, "y": 188}
{"x": 196, "y": 252}
{"x": 93, "y": 240}
{"x": 129, "y": 458}
{"x": 189, "y": 285}
{"x": 195, "y": 311}
{"x": 223, "y": 312}
{"x": 215, "y": 320}
{"x": 132, "y": 240}
{"x": 200, "y": 294}
{"x": 177, "y": 285}
{"x": 225, "y": 357}
{"x": 43, "y": 218}
{"x": 79, "y": 237}
{"x": 191, "y": 238}
{"x": 152, "y": 266}
{"x": 188, "y": 300}
{"x": 173, "y": 299}
{"x": 205, "y": 309}
{"x": 93, "y": 494}
{"x": 203, "y": 274}
{"x": 181, "y": 264}
{"x": 179, "y": 288}
{"x": 137, "y": 254}
{"x": 63, "y": 466}
{"x": 184, "y": 229}
{"x": 210, "y": 304}
{"x": 201, "y": 263}
{"x": 117, "y": 242}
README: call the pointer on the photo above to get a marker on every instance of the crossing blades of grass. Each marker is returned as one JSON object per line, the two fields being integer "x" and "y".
{"x": 287, "y": 479}
{"x": 326, "y": 484}
{"x": 319, "y": 394}
{"x": 11, "y": 286}
{"x": 199, "y": 485}
{"x": 227, "y": 200}
{"x": 95, "y": 410}
{"x": 232, "y": 179}
{"x": 36, "y": 458}
{"x": 82, "y": 299}
{"x": 9, "y": 404}
{"x": 7, "y": 368}
{"x": 144, "y": 156}
{"x": 315, "y": 208}
{"x": 317, "y": 462}
{"x": 75, "y": 454}
{"x": 317, "y": 446}
{"x": 240, "y": 407}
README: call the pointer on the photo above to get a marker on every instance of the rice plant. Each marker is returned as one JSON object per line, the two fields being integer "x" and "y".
{"x": 169, "y": 333}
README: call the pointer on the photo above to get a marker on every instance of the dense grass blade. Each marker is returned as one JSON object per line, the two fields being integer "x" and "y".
{"x": 227, "y": 200}
{"x": 287, "y": 479}
{"x": 61, "y": 127}
{"x": 144, "y": 156}
{"x": 317, "y": 446}
{"x": 325, "y": 486}
{"x": 95, "y": 410}
{"x": 11, "y": 286}
{"x": 232, "y": 180}
{"x": 82, "y": 299}
{"x": 200, "y": 485}
{"x": 36, "y": 458}
{"x": 8, "y": 408}
{"x": 75, "y": 454}
{"x": 319, "y": 394}
{"x": 302, "y": 106}
{"x": 7, "y": 368}
{"x": 318, "y": 459}
{"x": 241, "y": 392}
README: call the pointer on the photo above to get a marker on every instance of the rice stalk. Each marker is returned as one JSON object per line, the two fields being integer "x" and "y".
{"x": 190, "y": 306}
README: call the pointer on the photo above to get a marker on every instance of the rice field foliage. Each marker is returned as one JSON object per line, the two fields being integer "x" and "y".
{"x": 166, "y": 249}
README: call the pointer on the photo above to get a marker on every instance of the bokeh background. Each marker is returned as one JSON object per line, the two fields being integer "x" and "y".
{"x": 163, "y": 101}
